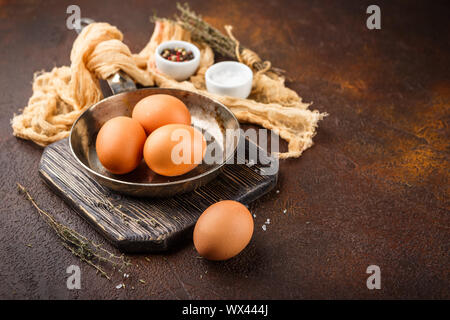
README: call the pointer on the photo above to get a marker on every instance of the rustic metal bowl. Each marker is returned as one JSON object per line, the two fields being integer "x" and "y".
{"x": 210, "y": 116}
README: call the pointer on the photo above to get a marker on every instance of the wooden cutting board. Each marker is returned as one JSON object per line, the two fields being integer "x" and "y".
{"x": 149, "y": 224}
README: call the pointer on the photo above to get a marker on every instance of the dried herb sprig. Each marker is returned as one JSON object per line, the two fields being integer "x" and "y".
{"x": 201, "y": 31}
{"x": 86, "y": 250}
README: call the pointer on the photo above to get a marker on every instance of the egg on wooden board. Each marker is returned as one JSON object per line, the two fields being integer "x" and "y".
{"x": 119, "y": 144}
{"x": 158, "y": 110}
{"x": 223, "y": 230}
{"x": 174, "y": 149}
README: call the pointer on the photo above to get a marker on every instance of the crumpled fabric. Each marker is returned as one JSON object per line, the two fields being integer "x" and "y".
{"x": 61, "y": 95}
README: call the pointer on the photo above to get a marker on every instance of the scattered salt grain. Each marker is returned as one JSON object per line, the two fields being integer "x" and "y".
{"x": 267, "y": 221}
{"x": 126, "y": 275}
{"x": 254, "y": 215}
{"x": 264, "y": 227}
{"x": 119, "y": 286}
{"x": 278, "y": 191}
{"x": 285, "y": 211}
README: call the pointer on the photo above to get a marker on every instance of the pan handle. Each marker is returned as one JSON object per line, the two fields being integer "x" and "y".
{"x": 119, "y": 81}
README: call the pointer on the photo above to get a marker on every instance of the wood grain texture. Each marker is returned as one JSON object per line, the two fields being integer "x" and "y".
{"x": 147, "y": 224}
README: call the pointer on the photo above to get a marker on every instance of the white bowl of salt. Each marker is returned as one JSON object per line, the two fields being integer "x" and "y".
{"x": 229, "y": 78}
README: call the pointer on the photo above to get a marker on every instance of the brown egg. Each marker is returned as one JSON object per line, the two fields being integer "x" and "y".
{"x": 174, "y": 149}
{"x": 158, "y": 110}
{"x": 223, "y": 230}
{"x": 119, "y": 144}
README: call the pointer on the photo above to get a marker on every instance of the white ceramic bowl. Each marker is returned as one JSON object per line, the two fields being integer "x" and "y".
{"x": 178, "y": 70}
{"x": 238, "y": 84}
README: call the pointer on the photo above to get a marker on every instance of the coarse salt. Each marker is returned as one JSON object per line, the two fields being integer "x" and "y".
{"x": 228, "y": 77}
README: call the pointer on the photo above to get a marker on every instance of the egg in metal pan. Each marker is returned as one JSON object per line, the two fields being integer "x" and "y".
{"x": 119, "y": 144}
{"x": 158, "y": 110}
{"x": 174, "y": 149}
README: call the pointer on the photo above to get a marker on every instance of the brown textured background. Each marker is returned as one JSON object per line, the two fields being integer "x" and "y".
{"x": 374, "y": 189}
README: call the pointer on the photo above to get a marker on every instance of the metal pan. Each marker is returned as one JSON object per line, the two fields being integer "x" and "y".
{"x": 210, "y": 116}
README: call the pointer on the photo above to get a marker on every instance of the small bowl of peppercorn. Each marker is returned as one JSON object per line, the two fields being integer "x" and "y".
{"x": 177, "y": 59}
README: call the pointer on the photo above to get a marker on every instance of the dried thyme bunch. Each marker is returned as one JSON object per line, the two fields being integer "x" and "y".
{"x": 201, "y": 31}
{"x": 86, "y": 250}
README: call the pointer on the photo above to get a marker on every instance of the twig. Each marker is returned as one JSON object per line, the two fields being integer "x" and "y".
{"x": 83, "y": 248}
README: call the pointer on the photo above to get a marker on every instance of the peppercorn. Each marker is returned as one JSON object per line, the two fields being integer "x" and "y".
{"x": 177, "y": 54}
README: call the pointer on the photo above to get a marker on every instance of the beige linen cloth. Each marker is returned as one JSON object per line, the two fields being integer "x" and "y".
{"x": 61, "y": 95}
